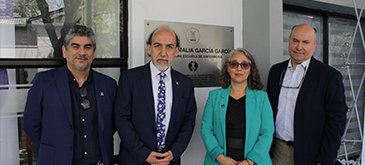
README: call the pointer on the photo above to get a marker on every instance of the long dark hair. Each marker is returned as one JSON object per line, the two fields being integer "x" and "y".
{"x": 254, "y": 80}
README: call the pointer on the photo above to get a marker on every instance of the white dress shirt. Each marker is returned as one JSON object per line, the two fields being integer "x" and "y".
{"x": 284, "y": 123}
{"x": 168, "y": 100}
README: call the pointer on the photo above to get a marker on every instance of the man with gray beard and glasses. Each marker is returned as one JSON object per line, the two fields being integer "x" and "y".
{"x": 69, "y": 110}
{"x": 155, "y": 107}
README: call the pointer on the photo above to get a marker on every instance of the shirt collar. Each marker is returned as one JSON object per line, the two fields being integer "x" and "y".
{"x": 305, "y": 64}
{"x": 88, "y": 80}
{"x": 155, "y": 71}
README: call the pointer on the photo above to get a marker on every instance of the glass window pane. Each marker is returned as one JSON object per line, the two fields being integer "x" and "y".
{"x": 15, "y": 145}
{"x": 291, "y": 19}
{"x": 35, "y": 30}
{"x": 341, "y": 37}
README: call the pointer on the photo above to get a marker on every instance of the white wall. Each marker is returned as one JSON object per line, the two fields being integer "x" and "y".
{"x": 9, "y": 151}
{"x": 221, "y": 13}
{"x": 263, "y": 33}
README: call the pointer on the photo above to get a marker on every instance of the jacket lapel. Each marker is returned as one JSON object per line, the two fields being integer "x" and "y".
{"x": 275, "y": 77}
{"x": 99, "y": 89}
{"x": 61, "y": 77}
{"x": 223, "y": 104}
{"x": 175, "y": 98}
{"x": 309, "y": 76}
{"x": 280, "y": 77}
{"x": 146, "y": 85}
{"x": 250, "y": 109}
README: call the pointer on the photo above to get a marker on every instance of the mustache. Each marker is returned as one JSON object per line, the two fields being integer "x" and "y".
{"x": 163, "y": 58}
{"x": 81, "y": 57}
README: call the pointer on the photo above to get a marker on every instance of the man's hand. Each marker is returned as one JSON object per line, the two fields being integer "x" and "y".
{"x": 156, "y": 158}
{"x": 168, "y": 156}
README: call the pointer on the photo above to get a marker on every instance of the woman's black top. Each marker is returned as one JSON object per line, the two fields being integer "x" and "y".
{"x": 236, "y": 128}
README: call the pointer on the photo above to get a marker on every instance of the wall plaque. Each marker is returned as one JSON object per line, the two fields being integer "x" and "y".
{"x": 202, "y": 51}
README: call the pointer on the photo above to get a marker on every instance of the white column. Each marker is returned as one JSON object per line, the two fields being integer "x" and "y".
{"x": 9, "y": 143}
{"x": 263, "y": 33}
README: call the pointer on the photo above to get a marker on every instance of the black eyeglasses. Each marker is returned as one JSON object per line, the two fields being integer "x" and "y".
{"x": 296, "y": 87}
{"x": 85, "y": 102}
{"x": 235, "y": 64}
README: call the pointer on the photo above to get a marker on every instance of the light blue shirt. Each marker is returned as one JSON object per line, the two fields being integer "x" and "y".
{"x": 284, "y": 123}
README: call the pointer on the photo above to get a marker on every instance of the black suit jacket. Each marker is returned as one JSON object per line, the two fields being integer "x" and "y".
{"x": 135, "y": 116}
{"x": 320, "y": 112}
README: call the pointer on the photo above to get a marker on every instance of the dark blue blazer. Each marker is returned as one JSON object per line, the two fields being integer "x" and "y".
{"x": 135, "y": 116}
{"x": 48, "y": 116}
{"x": 320, "y": 112}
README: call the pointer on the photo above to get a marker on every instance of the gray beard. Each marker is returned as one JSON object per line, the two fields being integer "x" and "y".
{"x": 162, "y": 67}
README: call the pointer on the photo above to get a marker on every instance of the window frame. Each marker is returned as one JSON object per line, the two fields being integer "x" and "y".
{"x": 122, "y": 62}
{"x": 325, "y": 15}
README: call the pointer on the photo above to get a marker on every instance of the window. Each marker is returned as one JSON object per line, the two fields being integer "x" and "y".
{"x": 335, "y": 35}
{"x": 341, "y": 36}
{"x": 32, "y": 34}
{"x": 291, "y": 19}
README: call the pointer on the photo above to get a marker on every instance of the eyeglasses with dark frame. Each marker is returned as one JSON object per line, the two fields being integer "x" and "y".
{"x": 85, "y": 102}
{"x": 234, "y": 65}
{"x": 296, "y": 87}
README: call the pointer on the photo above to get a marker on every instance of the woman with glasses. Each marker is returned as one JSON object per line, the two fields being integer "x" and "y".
{"x": 237, "y": 125}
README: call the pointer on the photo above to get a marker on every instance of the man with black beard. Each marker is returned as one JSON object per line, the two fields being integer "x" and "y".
{"x": 69, "y": 110}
